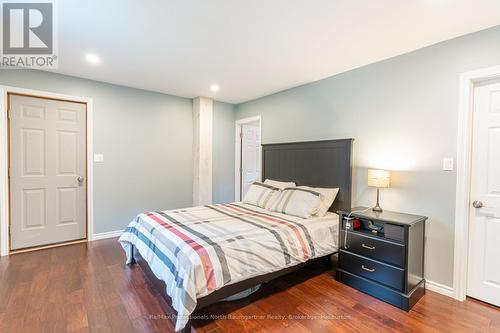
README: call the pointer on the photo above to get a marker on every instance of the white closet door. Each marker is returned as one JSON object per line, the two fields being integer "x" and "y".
{"x": 483, "y": 280}
{"x": 47, "y": 171}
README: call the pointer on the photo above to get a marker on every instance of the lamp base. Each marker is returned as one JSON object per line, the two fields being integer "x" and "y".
{"x": 377, "y": 207}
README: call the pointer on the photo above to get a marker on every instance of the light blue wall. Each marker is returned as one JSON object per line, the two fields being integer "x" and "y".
{"x": 403, "y": 114}
{"x": 146, "y": 139}
{"x": 223, "y": 153}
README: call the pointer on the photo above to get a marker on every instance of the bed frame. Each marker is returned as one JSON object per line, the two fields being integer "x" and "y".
{"x": 314, "y": 163}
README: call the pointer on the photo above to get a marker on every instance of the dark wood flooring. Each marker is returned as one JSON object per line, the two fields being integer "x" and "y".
{"x": 87, "y": 287}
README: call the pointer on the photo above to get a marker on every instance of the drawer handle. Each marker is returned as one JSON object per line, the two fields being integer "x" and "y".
{"x": 368, "y": 246}
{"x": 371, "y": 270}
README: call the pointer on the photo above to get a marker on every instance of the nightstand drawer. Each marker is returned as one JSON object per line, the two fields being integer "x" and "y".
{"x": 389, "y": 252}
{"x": 385, "y": 274}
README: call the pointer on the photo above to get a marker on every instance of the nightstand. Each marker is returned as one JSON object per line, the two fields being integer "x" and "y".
{"x": 387, "y": 263}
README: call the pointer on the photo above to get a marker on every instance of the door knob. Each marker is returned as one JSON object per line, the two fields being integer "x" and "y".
{"x": 80, "y": 179}
{"x": 477, "y": 204}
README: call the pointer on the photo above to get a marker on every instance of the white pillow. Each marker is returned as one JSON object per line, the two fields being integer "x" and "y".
{"x": 328, "y": 197}
{"x": 261, "y": 195}
{"x": 297, "y": 202}
{"x": 278, "y": 184}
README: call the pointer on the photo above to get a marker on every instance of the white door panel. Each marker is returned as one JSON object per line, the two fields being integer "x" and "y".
{"x": 483, "y": 281}
{"x": 47, "y": 155}
{"x": 250, "y": 156}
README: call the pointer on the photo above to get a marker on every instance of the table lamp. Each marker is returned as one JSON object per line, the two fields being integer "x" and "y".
{"x": 379, "y": 179}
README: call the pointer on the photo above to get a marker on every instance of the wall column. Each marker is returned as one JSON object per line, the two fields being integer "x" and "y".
{"x": 202, "y": 150}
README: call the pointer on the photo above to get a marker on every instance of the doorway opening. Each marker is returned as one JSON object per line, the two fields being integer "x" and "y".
{"x": 45, "y": 170}
{"x": 477, "y": 222}
{"x": 247, "y": 155}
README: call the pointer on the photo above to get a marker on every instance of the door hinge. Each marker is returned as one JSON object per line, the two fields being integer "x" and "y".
{"x": 8, "y": 113}
{"x": 8, "y": 172}
{"x": 241, "y": 134}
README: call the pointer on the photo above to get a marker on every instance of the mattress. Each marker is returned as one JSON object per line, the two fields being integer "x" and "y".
{"x": 198, "y": 250}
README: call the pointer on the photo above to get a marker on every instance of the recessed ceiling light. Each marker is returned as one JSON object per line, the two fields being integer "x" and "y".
{"x": 215, "y": 87}
{"x": 92, "y": 59}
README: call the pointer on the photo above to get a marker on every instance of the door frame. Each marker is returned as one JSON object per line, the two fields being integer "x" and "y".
{"x": 464, "y": 170}
{"x": 4, "y": 160}
{"x": 237, "y": 151}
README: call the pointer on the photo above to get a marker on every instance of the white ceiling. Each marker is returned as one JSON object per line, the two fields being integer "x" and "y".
{"x": 250, "y": 48}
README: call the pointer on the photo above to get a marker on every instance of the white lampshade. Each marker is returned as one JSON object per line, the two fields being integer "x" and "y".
{"x": 379, "y": 178}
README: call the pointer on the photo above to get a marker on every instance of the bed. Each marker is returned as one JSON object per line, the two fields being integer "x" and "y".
{"x": 208, "y": 253}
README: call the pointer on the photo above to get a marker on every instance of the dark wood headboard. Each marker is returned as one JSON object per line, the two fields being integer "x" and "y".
{"x": 313, "y": 163}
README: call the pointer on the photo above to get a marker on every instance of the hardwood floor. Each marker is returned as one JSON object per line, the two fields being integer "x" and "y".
{"x": 87, "y": 287}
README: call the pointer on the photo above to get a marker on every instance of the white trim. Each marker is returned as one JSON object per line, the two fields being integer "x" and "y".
{"x": 108, "y": 234}
{"x": 4, "y": 181}
{"x": 4, "y": 184}
{"x": 237, "y": 150}
{"x": 440, "y": 288}
{"x": 464, "y": 157}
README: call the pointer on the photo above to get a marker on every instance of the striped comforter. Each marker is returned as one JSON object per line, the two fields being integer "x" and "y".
{"x": 201, "y": 249}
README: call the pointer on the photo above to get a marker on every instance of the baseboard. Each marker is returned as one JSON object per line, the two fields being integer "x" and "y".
{"x": 109, "y": 234}
{"x": 440, "y": 288}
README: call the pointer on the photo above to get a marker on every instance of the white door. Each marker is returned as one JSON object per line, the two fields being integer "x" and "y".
{"x": 483, "y": 281}
{"x": 47, "y": 171}
{"x": 250, "y": 156}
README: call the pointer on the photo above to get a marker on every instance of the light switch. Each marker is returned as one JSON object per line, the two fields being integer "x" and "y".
{"x": 447, "y": 164}
{"x": 98, "y": 157}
